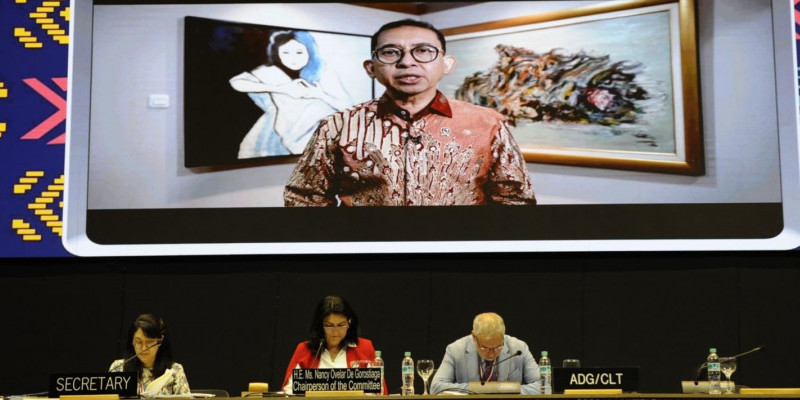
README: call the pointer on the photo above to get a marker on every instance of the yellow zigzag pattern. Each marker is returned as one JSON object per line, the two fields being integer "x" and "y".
{"x": 3, "y": 95}
{"x": 43, "y": 18}
{"x": 41, "y": 205}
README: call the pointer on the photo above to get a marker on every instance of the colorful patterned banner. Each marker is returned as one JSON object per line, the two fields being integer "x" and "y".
{"x": 33, "y": 89}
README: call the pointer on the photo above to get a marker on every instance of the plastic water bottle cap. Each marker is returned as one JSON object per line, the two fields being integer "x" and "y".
{"x": 377, "y": 353}
{"x": 544, "y": 352}
{"x": 712, "y": 350}
{"x": 408, "y": 354}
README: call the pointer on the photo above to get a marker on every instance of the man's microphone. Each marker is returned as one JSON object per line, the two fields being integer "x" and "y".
{"x": 516, "y": 353}
{"x": 759, "y": 348}
{"x": 127, "y": 360}
{"x": 704, "y": 365}
{"x": 699, "y": 371}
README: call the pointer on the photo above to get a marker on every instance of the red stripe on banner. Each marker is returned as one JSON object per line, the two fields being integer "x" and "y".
{"x": 58, "y": 117}
{"x": 61, "y": 139}
{"x": 62, "y": 82}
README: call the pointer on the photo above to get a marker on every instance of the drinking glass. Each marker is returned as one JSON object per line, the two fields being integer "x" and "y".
{"x": 728, "y": 367}
{"x": 424, "y": 369}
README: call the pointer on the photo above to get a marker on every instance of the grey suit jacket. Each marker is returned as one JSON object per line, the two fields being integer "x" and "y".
{"x": 460, "y": 366}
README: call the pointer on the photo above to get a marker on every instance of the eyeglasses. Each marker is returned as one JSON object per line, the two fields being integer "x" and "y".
{"x": 331, "y": 328}
{"x": 140, "y": 344}
{"x": 487, "y": 349}
{"x": 392, "y": 54}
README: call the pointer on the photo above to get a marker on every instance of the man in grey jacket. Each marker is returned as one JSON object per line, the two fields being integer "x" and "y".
{"x": 486, "y": 355}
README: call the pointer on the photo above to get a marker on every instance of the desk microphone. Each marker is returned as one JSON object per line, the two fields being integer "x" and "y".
{"x": 127, "y": 360}
{"x": 516, "y": 353}
{"x": 316, "y": 355}
{"x": 699, "y": 370}
{"x": 759, "y": 348}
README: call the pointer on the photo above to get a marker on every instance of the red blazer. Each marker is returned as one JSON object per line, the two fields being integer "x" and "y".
{"x": 304, "y": 357}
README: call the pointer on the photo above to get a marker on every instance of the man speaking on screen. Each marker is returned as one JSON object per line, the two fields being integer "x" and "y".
{"x": 413, "y": 145}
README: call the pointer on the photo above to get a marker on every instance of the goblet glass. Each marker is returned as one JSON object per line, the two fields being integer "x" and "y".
{"x": 425, "y": 369}
{"x": 728, "y": 367}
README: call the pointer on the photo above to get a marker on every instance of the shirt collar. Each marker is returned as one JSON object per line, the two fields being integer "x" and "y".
{"x": 440, "y": 105}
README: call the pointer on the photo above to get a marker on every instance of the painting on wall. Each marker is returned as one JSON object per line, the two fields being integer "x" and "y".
{"x": 612, "y": 85}
{"x": 254, "y": 93}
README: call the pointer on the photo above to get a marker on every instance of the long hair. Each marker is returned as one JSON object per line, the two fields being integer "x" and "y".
{"x": 153, "y": 327}
{"x": 312, "y": 70}
{"x": 327, "y": 306}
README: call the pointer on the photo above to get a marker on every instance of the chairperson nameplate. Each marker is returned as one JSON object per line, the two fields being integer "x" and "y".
{"x": 336, "y": 379}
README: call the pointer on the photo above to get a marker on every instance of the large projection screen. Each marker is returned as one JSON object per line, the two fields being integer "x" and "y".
{"x": 129, "y": 193}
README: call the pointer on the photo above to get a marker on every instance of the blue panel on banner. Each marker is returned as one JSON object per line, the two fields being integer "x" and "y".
{"x": 33, "y": 92}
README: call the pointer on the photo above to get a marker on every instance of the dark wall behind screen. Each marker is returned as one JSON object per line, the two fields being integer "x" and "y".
{"x": 236, "y": 320}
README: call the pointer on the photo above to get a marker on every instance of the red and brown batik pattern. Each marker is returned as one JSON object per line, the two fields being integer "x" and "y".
{"x": 451, "y": 153}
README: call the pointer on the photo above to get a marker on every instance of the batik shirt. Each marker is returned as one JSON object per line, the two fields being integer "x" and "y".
{"x": 376, "y": 154}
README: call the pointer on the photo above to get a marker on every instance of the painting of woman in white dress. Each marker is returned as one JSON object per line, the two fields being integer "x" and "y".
{"x": 253, "y": 94}
{"x": 294, "y": 89}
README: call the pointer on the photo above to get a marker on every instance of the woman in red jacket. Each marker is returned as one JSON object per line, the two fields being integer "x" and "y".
{"x": 333, "y": 341}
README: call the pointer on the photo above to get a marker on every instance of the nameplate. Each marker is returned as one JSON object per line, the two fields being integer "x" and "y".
{"x": 367, "y": 380}
{"x": 625, "y": 378}
{"x": 120, "y": 383}
{"x": 493, "y": 387}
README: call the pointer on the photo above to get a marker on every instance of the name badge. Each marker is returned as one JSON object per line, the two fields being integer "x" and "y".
{"x": 625, "y": 378}
{"x": 121, "y": 383}
{"x": 336, "y": 379}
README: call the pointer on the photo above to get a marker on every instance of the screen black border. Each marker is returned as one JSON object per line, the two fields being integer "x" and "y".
{"x": 466, "y": 223}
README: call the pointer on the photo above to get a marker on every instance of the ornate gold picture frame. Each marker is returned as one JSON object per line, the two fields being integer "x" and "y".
{"x": 609, "y": 85}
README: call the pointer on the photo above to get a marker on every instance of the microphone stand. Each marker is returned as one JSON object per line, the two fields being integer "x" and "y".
{"x": 319, "y": 349}
{"x": 516, "y": 353}
{"x": 699, "y": 369}
{"x": 759, "y": 348}
{"x": 127, "y": 360}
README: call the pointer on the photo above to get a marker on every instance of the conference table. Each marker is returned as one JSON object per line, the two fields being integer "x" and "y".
{"x": 660, "y": 396}
{"x": 623, "y": 396}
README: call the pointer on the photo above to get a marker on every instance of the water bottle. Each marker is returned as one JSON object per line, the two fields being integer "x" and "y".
{"x": 378, "y": 363}
{"x": 408, "y": 375}
{"x": 545, "y": 374}
{"x": 714, "y": 372}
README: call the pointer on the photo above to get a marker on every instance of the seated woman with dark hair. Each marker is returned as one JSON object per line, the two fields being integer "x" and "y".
{"x": 333, "y": 341}
{"x": 149, "y": 354}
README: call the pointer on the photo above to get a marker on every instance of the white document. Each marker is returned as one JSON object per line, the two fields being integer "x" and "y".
{"x": 154, "y": 388}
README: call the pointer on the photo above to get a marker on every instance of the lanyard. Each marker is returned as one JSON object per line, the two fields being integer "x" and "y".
{"x": 481, "y": 370}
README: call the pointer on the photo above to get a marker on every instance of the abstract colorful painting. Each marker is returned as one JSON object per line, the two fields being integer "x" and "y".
{"x": 601, "y": 89}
